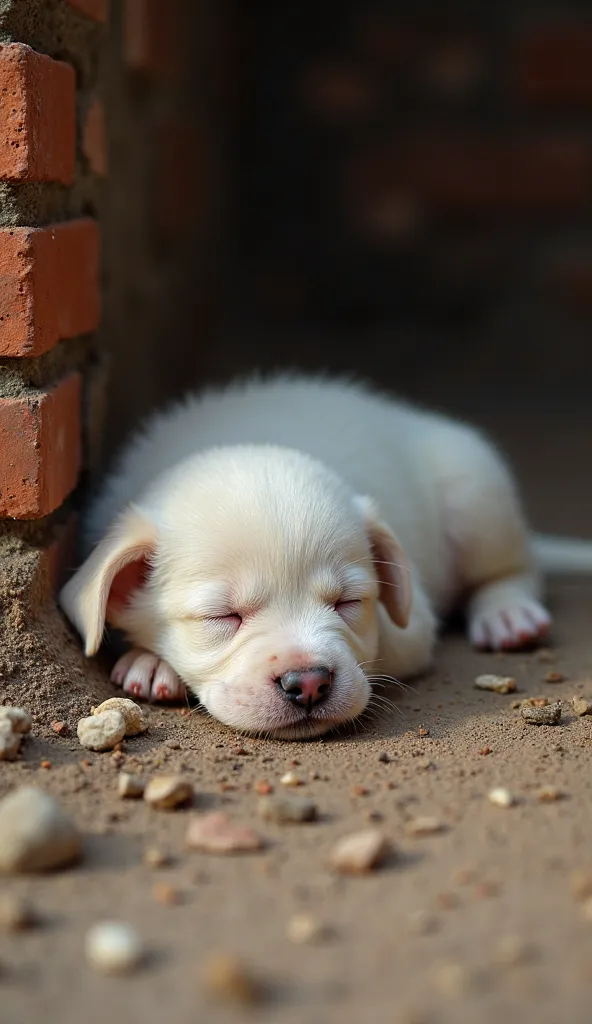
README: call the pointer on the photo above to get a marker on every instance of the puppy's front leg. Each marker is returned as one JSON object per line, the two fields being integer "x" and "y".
{"x": 403, "y": 653}
{"x": 145, "y": 675}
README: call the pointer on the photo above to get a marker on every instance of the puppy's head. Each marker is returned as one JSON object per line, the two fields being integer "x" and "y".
{"x": 256, "y": 574}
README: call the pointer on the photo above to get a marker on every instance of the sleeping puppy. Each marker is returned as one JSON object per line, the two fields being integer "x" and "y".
{"x": 275, "y": 545}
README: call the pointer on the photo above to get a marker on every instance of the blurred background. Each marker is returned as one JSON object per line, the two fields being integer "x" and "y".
{"x": 378, "y": 188}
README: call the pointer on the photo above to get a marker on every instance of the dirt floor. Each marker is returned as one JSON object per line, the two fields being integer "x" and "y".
{"x": 427, "y": 938}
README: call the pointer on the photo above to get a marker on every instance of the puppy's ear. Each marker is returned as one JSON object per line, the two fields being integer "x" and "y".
{"x": 392, "y": 570}
{"x": 103, "y": 586}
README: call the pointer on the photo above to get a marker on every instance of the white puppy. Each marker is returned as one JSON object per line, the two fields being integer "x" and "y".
{"x": 274, "y": 545}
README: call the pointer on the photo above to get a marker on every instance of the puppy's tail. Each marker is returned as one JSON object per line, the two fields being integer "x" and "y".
{"x": 560, "y": 555}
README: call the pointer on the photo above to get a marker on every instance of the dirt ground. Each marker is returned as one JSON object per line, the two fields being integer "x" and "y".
{"x": 493, "y": 878}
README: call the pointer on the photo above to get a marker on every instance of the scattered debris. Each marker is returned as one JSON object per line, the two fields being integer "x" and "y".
{"x": 485, "y": 751}
{"x": 35, "y": 833}
{"x": 215, "y": 833}
{"x": 501, "y": 797}
{"x": 263, "y": 788}
{"x": 155, "y": 857}
{"x": 130, "y": 787}
{"x": 15, "y": 913}
{"x": 548, "y": 715}
{"x": 555, "y": 677}
{"x": 166, "y": 894}
{"x": 291, "y": 779}
{"x": 383, "y": 757}
{"x": 45, "y": 764}
{"x": 60, "y": 728}
{"x": 532, "y": 702}
{"x": 113, "y": 947}
{"x": 101, "y": 732}
{"x": 512, "y": 951}
{"x": 135, "y": 717}
{"x": 359, "y": 790}
{"x": 14, "y": 723}
{"x": 582, "y": 706}
{"x": 226, "y": 978}
{"x": 304, "y": 929}
{"x": 422, "y": 732}
{"x": 360, "y": 852}
{"x": 452, "y": 979}
{"x": 284, "y": 809}
{"x": 425, "y": 764}
{"x": 581, "y": 884}
{"x": 166, "y": 792}
{"x": 424, "y": 826}
{"x": 549, "y": 794}
{"x": 497, "y": 684}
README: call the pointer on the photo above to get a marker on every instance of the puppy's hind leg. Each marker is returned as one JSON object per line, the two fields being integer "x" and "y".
{"x": 490, "y": 543}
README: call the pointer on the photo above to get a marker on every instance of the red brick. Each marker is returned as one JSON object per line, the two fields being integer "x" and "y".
{"x": 40, "y": 445}
{"x": 98, "y": 10}
{"x": 151, "y": 35}
{"x": 49, "y": 285}
{"x": 554, "y": 64}
{"x": 37, "y": 116}
{"x": 94, "y": 139}
{"x": 471, "y": 174}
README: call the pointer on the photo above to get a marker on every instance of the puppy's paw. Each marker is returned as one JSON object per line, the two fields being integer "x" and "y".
{"x": 145, "y": 675}
{"x": 505, "y": 626}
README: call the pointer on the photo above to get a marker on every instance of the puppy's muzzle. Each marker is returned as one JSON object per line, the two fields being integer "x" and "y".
{"x": 306, "y": 687}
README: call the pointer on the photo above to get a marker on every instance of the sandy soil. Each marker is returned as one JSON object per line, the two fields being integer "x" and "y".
{"x": 494, "y": 876}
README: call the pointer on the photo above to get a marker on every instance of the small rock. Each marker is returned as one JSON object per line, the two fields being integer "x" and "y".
{"x": 452, "y": 979}
{"x": 15, "y": 913}
{"x": 383, "y": 757}
{"x": 262, "y": 787}
{"x": 359, "y": 790}
{"x": 19, "y": 719}
{"x": 172, "y": 744}
{"x": 166, "y": 894}
{"x": 215, "y": 833}
{"x": 130, "y": 787}
{"x": 291, "y": 779}
{"x": 287, "y": 809}
{"x": 533, "y": 702}
{"x": 226, "y": 978}
{"x": 113, "y": 947}
{"x": 35, "y": 833}
{"x": 549, "y": 794}
{"x": 165, "y": 792}
{"x": 549, "y": 715}
{"x": 512, "y": 951}
{"x": 425, "y": 764}
{"x": 501, "y": 797}
{"x": 582, "y": 706}
{"x": 10, "y": 741}
{"x": 581, "y": 884}
{"x": 303, "y": 929}
{"x": 497, "y": 684}
{"x": 422, "y": 923}
{"x": 154, "y": 857}
{"x": 60, "y": 728}
{"x": 422, "y": 732}
{"x": 555, "y": 677}
{"x": 135, "y": 717}
{"x": 101, "y": 732}
{"x": 424, "y": 826}
{"x": 360, "y": 852}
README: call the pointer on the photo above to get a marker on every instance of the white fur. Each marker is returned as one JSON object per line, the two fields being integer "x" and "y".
{"x": 277, "y": 500}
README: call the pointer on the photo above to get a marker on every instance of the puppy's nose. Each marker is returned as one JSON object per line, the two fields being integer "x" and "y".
{"x": 306, "y": 686}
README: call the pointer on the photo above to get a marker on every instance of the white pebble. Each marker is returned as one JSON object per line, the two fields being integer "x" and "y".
{"x": 424, "y": 826}
{"x": 291, "y": 779}
{"x": 10, "y": 741}
{"x": 113, "y": 947}
{"x": 165, "y": 792}
{"x": 15, "y": 913}
{"x": 35, "y": 833}
{"x": 101, "y": 732}
{"x": 19, "y": 718}
{"x": 496, "y": 684}
{"x": 501, "y": 797}
{"x": 360, "y": 852}
{"x": 303, "y": 929}
{"x": 135, "y": 719}
{"x": 130, "y": 787}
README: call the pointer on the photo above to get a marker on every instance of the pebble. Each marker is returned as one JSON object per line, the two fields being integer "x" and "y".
{"x": 383, "y": 757}
{"x": 286, "y": 809}
{"x": 155, "y": 857}
{"x": 497, "y": 684}
{"x": 135, "y": 717}
{"x": 549, "y": 715}
{"x": 60, "y": 728}
{"x": 166, "y": 792}
{"x": 303, "y": 929}
{"x": 555, "y": 677}
{"x": 15, "y": 913}
{"x": 291, "y": 779}
{"x": 130, "y": 787}
{"x": 19, "y": 719}
{"x": 422, "y": 923}
{"x": 581, "y": 884}
{"x": 512, "y": 951}
{"x": 424, "y": 826}
{"x": 113, "y": 947}
{"x": 166, "y": 894}
{"x": 101, "y": 732}
{"x": 228, "y": 979}
{"x": 452, "y": 979}
{"x": 215, "y": 833}
{"x": 549, "y": 794}
{"x": 501, "y": 797}
{"x": 35, "y": 833}
{"x": 582, "y": 706}
{"x": 360, "y": 852}
{"x": 10, "y": 741}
